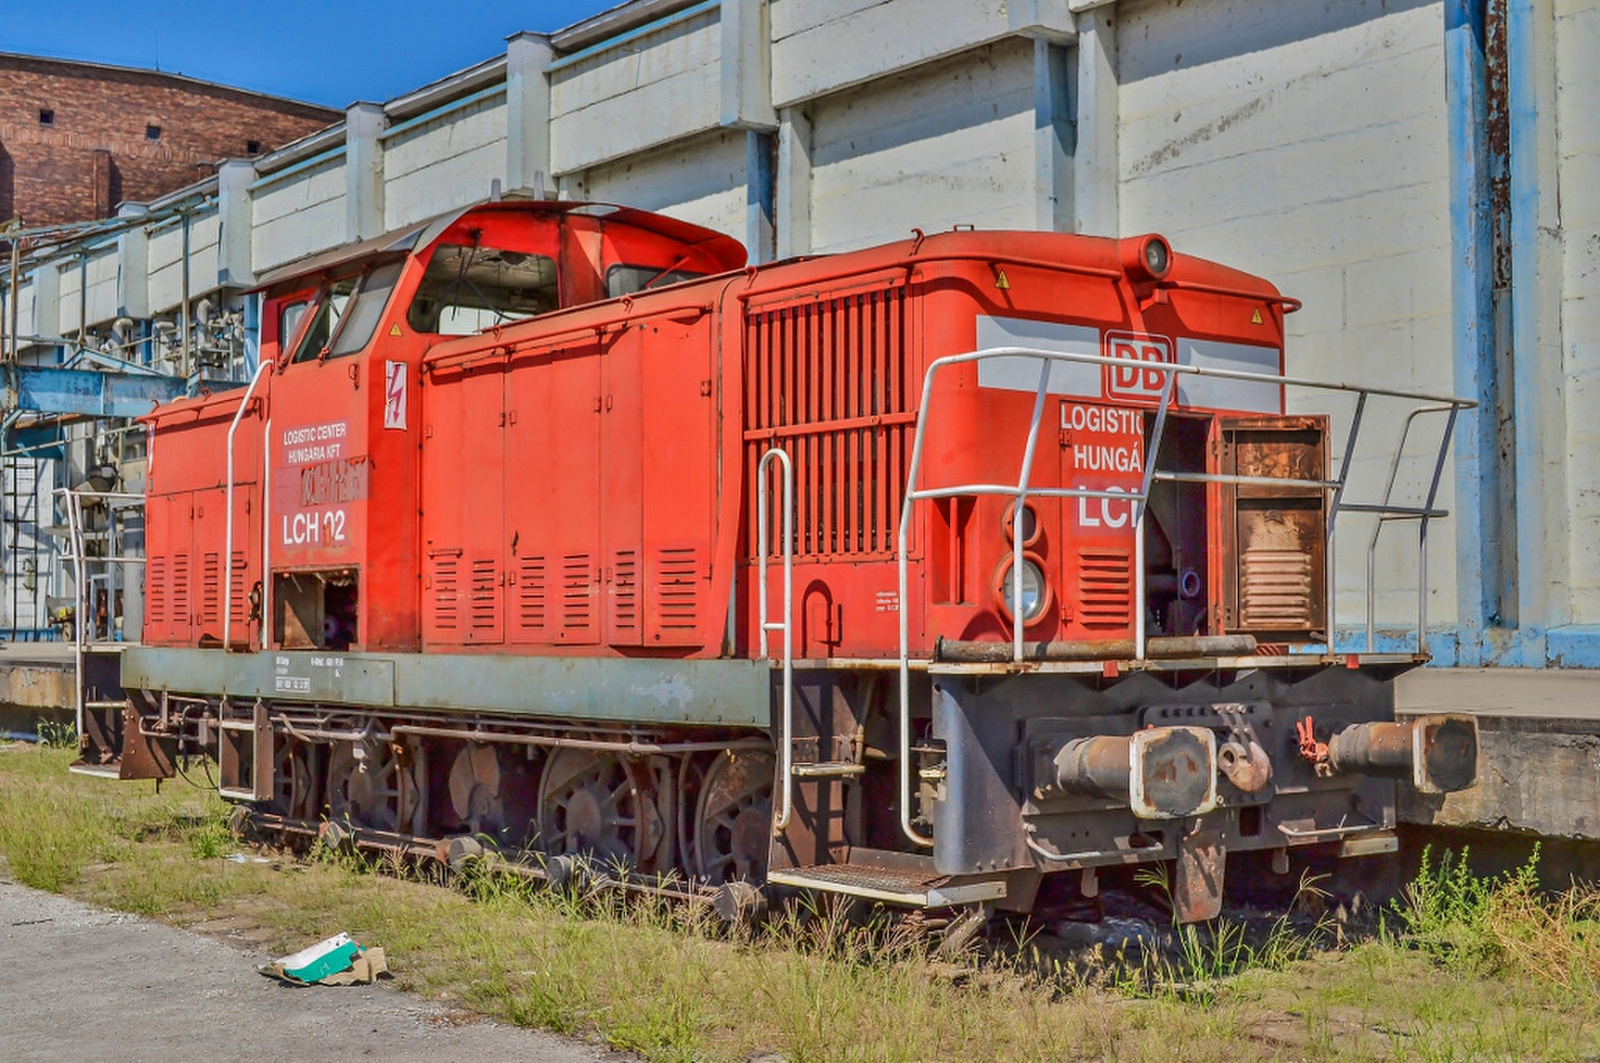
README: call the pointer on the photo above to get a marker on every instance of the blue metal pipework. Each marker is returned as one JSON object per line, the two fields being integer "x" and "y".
{"x": 51, "y": 390}
{"x": 1472, "y": 296}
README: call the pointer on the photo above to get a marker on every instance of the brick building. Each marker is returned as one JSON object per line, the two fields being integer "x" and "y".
{"x": 78, "y": 138}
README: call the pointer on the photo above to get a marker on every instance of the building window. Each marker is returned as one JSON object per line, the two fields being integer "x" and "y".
{"x": 252, "y": 147}
{"x": 46, "y": 117}
{"x": 152, "y": 132}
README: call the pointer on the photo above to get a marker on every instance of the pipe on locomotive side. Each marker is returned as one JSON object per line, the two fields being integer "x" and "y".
{"x": 227, "y": 536}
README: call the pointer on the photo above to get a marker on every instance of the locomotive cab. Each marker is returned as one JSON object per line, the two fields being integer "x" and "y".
{"x": 343, "y": 337}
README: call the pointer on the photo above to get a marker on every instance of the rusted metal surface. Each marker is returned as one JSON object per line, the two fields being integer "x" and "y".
{"x": 145, "y": 756}
{"x": 1273, "y": 539}
{"x": 1165, "y": 647}
{"x": 1198, "y": 876}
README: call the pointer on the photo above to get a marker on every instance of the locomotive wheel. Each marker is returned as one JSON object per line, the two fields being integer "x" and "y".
{"x": 589, "y": 804}
{"x": 294, "y": 778}
{"x": 365, "y": 785}
{"x": 733, "y": 823}
{"x": 491, "y": 792}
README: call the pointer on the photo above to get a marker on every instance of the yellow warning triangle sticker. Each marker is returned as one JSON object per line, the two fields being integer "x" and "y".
{"x": 1255, "y": 318}
{"x": 1000, "y": 280}
{"x": 394, "y": 330}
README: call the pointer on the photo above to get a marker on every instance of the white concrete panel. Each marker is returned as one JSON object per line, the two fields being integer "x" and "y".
{"x": 299, "y": 215}
{"x": 25, "y": 314}
{"x": 165, "y": 256}
{"x": 950, "y": 143}
{"x": 700, "y": 181}
{"x": 1577, "y": 41}
{"x": 1305, "y": 142}
{"x": 822, "y": 46}
{"x": 445, "y": 163}
{"x": 658, "y": 88}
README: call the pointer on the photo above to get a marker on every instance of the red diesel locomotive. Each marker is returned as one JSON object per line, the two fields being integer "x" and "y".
{"x": 929, "y": 573}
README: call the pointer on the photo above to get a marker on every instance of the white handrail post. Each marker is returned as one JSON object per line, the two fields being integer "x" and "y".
{"x": 782, "y": 457}
{"x": 227, "y": 543}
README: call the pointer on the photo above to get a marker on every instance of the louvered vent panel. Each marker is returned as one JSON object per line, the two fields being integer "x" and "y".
{"x": 180, "y": 589}
{"x": 531, "y": 593}
{"x": 485, "y": 599}
{"x": 447, "y": 592}
{"x": 1105, "y": 583}
{"x": 625, "y": 590}
{"x": 1276, "y": 589}
{"x": 827, "y": 383}
{"x": 677, "y": 587}
{"x": 577, "y": 608}
{"x": 155, "y": 590}
{"x": 239, "y": 606}
{"x": 210, "y": 588}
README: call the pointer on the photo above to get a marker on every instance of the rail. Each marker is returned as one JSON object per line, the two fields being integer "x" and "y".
{"x": 1020, "y": 491}
{"x": 787, "y": 626}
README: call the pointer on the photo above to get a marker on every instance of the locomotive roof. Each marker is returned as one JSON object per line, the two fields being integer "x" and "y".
{"x": 418, "y": 235}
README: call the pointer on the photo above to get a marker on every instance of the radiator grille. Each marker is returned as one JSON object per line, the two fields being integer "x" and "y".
{"x": 577, "y": 610}
{"x": 238, "y": 605}
{"x": 1105, "y": 584}
{"x": 677, "y": 585}
{"x": 531, "y": 593}
{"x": 155, "y": 590}
{"x": 1276, "y": 589}
{"x": 210, "y": 588}
{"x": 484, "y": 605}
{"x": 180, "y": 589}
{"x": 828, "y": 383}
{"x": 625, "y": 591}
{"x": 447, "y": 592}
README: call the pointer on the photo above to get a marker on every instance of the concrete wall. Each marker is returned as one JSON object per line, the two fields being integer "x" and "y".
{"x": 1576, "y": 27}
{"x": 165, "y": 259}
{"x": 949, "y": 142}
{"x": 298, "y": 215}
{"x": 1305, "y": 142}
{"x": 444, "y": 162}
{"x": 610, "y": 102}
{"x": 702, "y": 180}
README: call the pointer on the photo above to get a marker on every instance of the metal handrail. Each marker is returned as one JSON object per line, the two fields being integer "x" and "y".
{"x": 787, "y": 626}
{"x": 1333, "y": 489}
{"x": 1422, "y": 515}
{"x": 227, "y": 546}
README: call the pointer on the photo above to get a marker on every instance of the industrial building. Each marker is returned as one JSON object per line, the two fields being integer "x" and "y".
{"x": 78, "y": 138}
{"x": 1420, "y": 173}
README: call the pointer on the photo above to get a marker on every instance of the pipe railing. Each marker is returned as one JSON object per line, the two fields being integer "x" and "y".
{"x": 227, "y": 543}
{"x": 1020, "y": 491}
{"x": 787, "y": 625}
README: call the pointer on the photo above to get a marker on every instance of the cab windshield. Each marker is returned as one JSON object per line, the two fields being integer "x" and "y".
{"x": 346, "y": 314}
{"x": 469, "y": 287}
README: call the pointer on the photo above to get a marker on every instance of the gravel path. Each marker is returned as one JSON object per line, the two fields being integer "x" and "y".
{"x": 81, "y": 984}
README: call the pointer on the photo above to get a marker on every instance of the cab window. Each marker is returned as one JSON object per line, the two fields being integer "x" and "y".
{"x": 469, "y": 287}
{"x": 625, "y": 280}
{"x": 347, "y": 314}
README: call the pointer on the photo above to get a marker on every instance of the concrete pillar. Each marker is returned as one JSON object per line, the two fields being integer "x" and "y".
{"x": 746, "y": 66}
{"x": 1053, "y": 136}
{"x": 235, "y": 267}
{"x": 528, "y": 115}
{"x": 133, "y": 266}
{"x": 792, "y": 196}
{"x": 47, "y": 299}
{"x": 1048, "y": 20}
{"x": 1094, "y": 163}
{"x": 363, "y": 171}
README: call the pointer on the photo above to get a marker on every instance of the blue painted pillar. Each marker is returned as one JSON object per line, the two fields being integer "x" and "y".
{"x": 1472, "y": 299}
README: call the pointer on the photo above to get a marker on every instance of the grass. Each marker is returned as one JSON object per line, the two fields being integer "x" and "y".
{"x": 1463, "y": 969}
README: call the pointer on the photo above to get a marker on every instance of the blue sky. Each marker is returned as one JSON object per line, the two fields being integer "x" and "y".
{"x": 331, "y": 52}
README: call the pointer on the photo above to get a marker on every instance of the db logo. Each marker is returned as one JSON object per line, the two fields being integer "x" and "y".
{"x": 1133, "y": 380}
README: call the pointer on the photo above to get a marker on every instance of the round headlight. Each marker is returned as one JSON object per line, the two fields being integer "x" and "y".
{"x": 1033, "y": 597}
{"x": 1027, "y": 528}
{"x": 1156, "y": 257}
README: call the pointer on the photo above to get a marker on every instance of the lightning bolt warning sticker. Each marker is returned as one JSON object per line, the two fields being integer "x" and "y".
{"x": 394, "y": 403}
